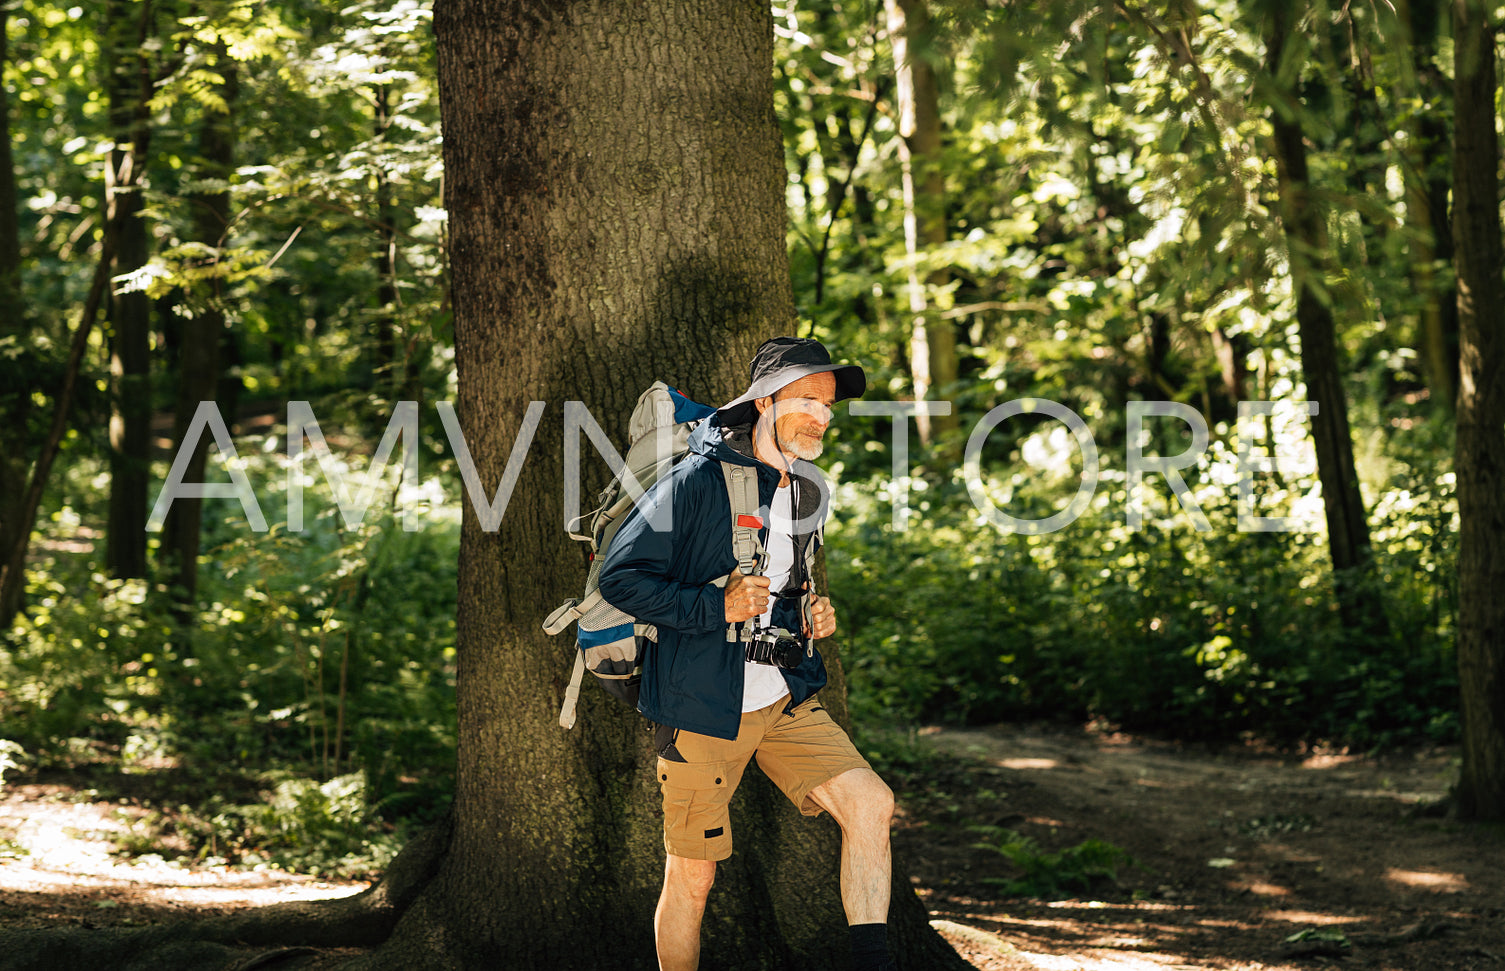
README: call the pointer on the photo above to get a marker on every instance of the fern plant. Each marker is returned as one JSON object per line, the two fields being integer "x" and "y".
{"x": 1046, "y": 874}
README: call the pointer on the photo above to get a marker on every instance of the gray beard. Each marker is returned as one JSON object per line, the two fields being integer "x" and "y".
{"x": 807, "y": 452}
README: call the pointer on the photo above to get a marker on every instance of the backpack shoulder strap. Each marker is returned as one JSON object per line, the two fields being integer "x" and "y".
{"x": 747, "y": 546}
{"x": 742, "y": 493}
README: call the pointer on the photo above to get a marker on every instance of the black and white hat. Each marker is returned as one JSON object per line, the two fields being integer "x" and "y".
{"x": 782, "y": 361}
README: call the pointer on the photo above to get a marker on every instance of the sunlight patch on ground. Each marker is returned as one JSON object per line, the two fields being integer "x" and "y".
{"x": 1307, "y": 917}
{"x": 1023, "y": 764}
{"x": 1328, "y": 761}
{"x": 1100, "y": 961}
{"x": 1257, "y": 886}
{"x": 1424, "y": 880}
{"x": 1104, "y": 905}
{"x": 1406, "y": 798}
{"x": 68, "y": 851}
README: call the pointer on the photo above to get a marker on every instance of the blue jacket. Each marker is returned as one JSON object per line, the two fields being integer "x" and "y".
{"x": 692, "y": 678}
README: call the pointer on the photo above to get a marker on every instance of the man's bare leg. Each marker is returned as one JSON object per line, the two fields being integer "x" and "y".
{"x": 863, "y": 805}
{"x": 676, "y": 922}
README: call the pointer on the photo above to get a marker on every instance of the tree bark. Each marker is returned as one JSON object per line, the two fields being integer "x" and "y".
{"x": 932, "y": 338}
{"x": 127, "y": 28}
{"x": 615, "y": 183}
{"x": 1306, "y": 246}
{"x": 199, "y": 370}
{"x": 1480, "y": 458}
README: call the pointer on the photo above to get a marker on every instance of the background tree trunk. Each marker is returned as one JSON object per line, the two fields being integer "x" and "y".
{"x": 199, "y": 371}
{"x": 1306, "y": 246}
{"x": 127, "y": 28}
{"x": 1480, "y": 461}
{"x": 14, "y": 440}
{"x": 1428, "y": 175}
{"x": 13, "y": 566}
{"x": 11, "y": 308}
{"x": 387, "y": 373}
{"x": 615, "y": 181}
{"x": 932, "y": 338}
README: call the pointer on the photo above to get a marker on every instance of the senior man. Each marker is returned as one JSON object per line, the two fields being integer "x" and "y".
{"x": 722, "y": 684}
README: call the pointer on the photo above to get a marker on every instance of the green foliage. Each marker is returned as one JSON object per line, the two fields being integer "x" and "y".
{"x": 1050, "y": 875}
{"x": 1211, "y": 634}
{"x": 329, "y": 654}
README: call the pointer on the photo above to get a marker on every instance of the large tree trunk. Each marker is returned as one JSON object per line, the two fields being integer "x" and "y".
{"x": 1306, "y": 246}
{"x": 129, "y": 82}
{"x": 199, "y": 369}
{"x": 932, "y": 338}
{"x": 615, "y": 186}
{"x": 1480, "y": 461}
{"x": 14, "y": 441}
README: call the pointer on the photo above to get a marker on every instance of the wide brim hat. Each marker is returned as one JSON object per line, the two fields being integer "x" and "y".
{"x": 782, "y": 361}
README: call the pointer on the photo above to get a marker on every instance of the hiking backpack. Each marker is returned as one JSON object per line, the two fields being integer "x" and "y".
{"x": 609, "y": 640}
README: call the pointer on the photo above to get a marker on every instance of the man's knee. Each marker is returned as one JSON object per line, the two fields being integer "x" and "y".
{"x": 693, "y": 878}
{"x": 858, "y": 798}
{"x": 878, "y": 800}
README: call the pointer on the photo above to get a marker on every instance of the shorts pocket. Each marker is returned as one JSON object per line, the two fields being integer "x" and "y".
{"x": 697, "y": 824}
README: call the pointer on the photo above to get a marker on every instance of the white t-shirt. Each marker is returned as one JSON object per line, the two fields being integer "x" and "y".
{"x": 763, "y": 684}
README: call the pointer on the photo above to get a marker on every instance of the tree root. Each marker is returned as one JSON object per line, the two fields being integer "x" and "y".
{"x": 229, "y": 942}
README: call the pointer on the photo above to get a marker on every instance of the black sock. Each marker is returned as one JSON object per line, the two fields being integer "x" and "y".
{"x": 870, "y": 947}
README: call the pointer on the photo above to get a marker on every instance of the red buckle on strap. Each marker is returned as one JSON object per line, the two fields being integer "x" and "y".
{"x": 754, "y": 522}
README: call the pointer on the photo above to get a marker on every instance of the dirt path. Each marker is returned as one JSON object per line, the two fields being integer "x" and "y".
{"x": 1249, "y": 861}
{"x": 57, "y": 865}
{"x": 1245, "y": 862}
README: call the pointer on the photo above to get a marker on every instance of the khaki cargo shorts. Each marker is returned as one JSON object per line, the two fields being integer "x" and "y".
{"x": 698, "y": 773}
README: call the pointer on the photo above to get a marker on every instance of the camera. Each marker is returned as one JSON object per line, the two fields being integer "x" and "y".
{"x": 775, "y": 646}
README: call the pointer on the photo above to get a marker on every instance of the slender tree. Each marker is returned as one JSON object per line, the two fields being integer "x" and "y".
{"x": 932, "y": 338}
{"x": 1480, "y": 458}
{"x": 1306, "y": 246}
{"x": 13, "y": 437}
{"x": 11, "y": 310}
{"x": 203, "y": 331}
{"x": 1428, "y": 175}
{"x": 129, "y": 86}
{"x": 389, "y": 369}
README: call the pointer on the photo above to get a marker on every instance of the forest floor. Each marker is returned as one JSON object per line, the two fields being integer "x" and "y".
{"x": 1241, "y": 860}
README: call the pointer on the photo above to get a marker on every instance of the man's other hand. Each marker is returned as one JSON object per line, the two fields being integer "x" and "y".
{"x": 746, "y": 597}
{"x": 822, "y": 617}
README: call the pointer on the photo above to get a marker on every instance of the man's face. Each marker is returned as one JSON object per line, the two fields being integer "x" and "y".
{"x": 802, "y": 411}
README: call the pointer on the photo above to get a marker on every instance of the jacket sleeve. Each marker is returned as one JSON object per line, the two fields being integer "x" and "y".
{"x": 637, "y": 576}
